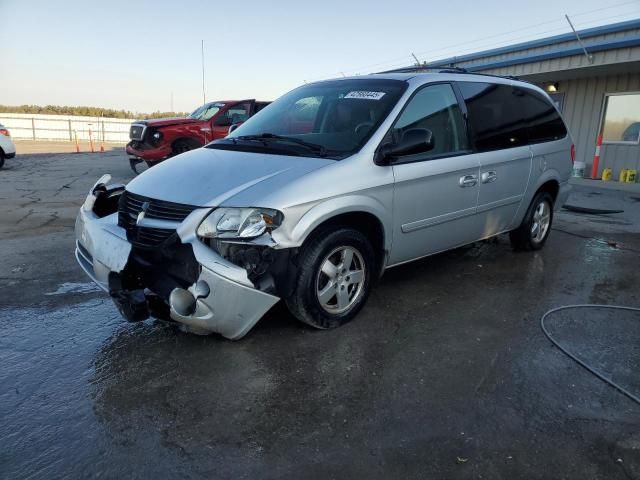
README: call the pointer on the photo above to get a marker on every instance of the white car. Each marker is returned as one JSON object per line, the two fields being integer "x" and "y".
{"x": 7, "y": 148}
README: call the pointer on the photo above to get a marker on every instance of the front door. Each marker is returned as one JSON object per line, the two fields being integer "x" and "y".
{"x": 436, "y": 192}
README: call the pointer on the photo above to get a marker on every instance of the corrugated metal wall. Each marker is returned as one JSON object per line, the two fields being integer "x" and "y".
{"x": 583, "y": 103}
{"x": 599, "y": 58}
{"x": 609, "y": 57}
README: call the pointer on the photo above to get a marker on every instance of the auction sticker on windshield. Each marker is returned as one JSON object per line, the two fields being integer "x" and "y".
{"x": 365, "y": 95}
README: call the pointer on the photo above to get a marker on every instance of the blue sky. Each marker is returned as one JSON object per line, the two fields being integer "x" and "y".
{"x": 133, "y": 54}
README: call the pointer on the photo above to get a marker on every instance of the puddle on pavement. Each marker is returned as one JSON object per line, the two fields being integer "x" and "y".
{"x": 80, "y": 386}
{"x": 71, "y": 287}
{"x": 597, "y": 250}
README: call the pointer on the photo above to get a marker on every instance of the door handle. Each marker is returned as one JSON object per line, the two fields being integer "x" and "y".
{"x": 488, "y": 177}
{"x": 205, "y": 129}
{"x": 468, "y": 180}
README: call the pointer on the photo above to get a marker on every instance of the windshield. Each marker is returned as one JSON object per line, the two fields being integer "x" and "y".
{"x": 332, "y": 119}
{"x": 205, "y": 112}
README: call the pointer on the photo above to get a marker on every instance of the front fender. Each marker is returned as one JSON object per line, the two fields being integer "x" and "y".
{"x": 332, "y": 207}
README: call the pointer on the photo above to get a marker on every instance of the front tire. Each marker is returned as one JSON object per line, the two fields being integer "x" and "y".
{"x": 181, "y": 146}
{"x": 536, "y": 225}
{"x": 335, "y": 272}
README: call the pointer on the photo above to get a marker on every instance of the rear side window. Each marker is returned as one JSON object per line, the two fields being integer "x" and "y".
{"x": 496, "y": 115}
{"x": 544, "y": 124}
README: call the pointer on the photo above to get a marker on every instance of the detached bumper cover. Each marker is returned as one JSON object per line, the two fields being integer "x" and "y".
{"x": 230, "y": 305}
{"x": 101, "y": 246}
{"x": 229, "y": 309}
{"x": 149, "y": 154}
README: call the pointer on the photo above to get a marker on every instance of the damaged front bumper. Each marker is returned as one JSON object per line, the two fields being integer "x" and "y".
{"x": 148, "y": 152}
{"x": 187, "y": 282}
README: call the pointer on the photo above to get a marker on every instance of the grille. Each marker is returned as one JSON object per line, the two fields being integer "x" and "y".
{"x": 130, "y": 206}
{"x": 136, "y": 132}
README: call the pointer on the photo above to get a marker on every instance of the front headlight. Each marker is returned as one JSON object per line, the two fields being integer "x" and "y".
{"x": 157, "y": 135}
{"x": 241, "y": 223}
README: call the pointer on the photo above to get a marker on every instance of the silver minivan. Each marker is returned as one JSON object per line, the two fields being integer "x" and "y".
{"x": 311, "y": 199}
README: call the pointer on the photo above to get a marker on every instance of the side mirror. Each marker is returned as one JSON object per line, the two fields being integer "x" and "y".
{"x": 233, "y": 127}
{"x": 222, "y": 121}
{"x": 415, "y": 140}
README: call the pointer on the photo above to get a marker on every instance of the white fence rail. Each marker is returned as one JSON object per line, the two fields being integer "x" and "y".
{"x": 26, "y": 126}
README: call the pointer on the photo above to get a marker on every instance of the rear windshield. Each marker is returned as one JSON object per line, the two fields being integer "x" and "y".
{"x": 337, "y": 116}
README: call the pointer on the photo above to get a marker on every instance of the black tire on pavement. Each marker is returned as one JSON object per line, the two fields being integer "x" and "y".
{"x": 338, "y": 246}
{"x": 181, "y": 146}
{"x": 528, "y": 235}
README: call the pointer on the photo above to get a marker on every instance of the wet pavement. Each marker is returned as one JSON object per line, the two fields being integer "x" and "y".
{"x": 445, "y": 373}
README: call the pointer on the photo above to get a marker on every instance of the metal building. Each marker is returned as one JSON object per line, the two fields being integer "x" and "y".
{"x": 595, "y": 83}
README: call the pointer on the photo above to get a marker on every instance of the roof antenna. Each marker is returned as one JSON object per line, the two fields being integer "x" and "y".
{"x": 584, "y": 49}
{"x": 418, "y": 64}
{"x": 204, "y": 98}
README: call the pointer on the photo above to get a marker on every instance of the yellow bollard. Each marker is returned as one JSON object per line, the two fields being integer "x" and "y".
{"x": 607, "y": 174}
{"x": 631, "y": 176}
{"x": 623, "y": 175}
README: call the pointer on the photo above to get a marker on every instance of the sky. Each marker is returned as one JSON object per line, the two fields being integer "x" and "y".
{"x": 136, "y": 55}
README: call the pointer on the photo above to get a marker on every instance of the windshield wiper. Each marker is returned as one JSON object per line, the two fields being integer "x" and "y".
{"x": 265, "y": 137}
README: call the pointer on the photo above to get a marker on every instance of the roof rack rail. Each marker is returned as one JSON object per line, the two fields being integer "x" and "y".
{"x": 420, "y": 68}
{"x": 509, "y": 77}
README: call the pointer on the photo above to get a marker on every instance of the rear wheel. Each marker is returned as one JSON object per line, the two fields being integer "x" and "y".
{"x": 334, "y": 278}
{"x": 536, "y": 225}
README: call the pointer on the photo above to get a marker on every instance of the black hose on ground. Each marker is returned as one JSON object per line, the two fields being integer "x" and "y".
{"x": 576, "y": 359}
{"x": 595, "y": 211}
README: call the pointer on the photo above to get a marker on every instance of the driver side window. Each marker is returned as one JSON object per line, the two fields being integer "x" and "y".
{"x": 436, "y": 108}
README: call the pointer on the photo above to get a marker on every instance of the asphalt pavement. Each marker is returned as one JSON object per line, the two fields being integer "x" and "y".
{"x": 445, "y": 373}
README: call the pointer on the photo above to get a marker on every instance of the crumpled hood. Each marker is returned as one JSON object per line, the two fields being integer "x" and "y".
{"x": 207, "y": 177}
{"x": 165, "y": 122}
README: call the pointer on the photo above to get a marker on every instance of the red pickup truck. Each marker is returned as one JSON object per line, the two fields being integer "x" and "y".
{"x": 155, "y": 140}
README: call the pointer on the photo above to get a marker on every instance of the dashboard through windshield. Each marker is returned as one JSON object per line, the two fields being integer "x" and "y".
{"x": 329, "y": 119}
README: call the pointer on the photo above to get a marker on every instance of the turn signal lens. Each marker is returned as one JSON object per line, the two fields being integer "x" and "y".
{"x": 5, "y": 132}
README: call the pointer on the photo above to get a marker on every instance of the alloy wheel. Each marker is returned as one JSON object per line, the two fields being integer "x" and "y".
{"x": 340, "y": 281}
{"x": 541, "y": 221}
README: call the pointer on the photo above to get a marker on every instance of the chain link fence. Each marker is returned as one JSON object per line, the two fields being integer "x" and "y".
{"x": 65, "y": 128}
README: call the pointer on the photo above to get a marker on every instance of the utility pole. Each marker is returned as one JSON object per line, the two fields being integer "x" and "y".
{"x": 204, "y": 98}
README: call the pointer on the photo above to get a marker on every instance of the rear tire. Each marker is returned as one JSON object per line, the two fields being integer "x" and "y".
{"x": 335, "y": 272}
{"x": 536, "y": 225}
